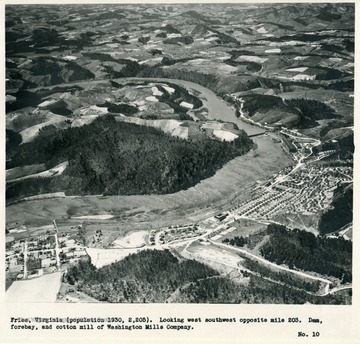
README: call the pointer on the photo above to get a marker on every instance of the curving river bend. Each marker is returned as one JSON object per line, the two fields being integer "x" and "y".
{"x": 228, "y": 185}
{"x": 218, "y": 109}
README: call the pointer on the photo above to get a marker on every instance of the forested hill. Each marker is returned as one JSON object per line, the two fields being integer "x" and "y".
{"x": 341, "y": 212}
{"x": 149, "y": 276}
{"x": 303, "y": 250}
{"x": 115, "y": 158}
{"x": 158, "y": 276}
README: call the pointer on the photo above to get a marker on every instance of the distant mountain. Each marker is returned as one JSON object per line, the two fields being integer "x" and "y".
{"x": 45, "y": 71}
{"x": 293, "y": 15}
{"x": 198, "y": 16}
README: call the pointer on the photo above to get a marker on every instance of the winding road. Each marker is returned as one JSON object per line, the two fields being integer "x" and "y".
{"x": 217, "y": 110}
{"x": 279, "y": 267}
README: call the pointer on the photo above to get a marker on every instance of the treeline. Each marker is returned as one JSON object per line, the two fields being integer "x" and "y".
{"x": 219, "y": 84}
{"x": 13, "y": 139}
{"x": 330, "y": 74}
{"x": 345, "y": 142}
{"x": 40, "y": 37}
{"x": 333, "y": 125}
{"x": 257, "y": 102}
{"x": 131, "y": 68}
{"x": 300, "y": 37}
{"x": 250, "y": 66}
{"x": 283, "y": 277}
{"x": 307, "y": 110}
{"x": 178, "y": 40}
{"x": 206, "y": 80}
{"x": 148, "y": 276}
{"x": 303, "y": 250}
{"x": 254, "y": 103}
{"x": 124, "y": 108}
{"x": 116, "y": 158}
{"x": 60, "y": 71}
{"x": 236, "y": 241}
{"x": 179, "y": 93}
{"x": 342, "y": 86}
{"x": 313, "y": 108}
{"x": 24, "y": 98}
{"x": 173, "y": 99}
{"x": 257, "y": 291}
{"x": 250, "y": 241}
{"x": 340, "y": 213}
{"x": 158, "y": 276}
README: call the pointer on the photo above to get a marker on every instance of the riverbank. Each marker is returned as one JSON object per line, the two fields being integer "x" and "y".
{"x": 230, "y": 184}
{"x": 217, "y": 108}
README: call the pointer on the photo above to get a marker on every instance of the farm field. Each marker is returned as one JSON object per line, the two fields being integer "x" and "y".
{"x": 209, "y": 253}
{"x": 42, "y": 289}
{"x": 191, "y": 153}
{"x": 131, "y": 240}
{"x": 101, "y": 257}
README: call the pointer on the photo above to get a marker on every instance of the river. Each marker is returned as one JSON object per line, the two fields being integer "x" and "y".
{"x": 218, "y": 109}
{"x": 230, "y": 184}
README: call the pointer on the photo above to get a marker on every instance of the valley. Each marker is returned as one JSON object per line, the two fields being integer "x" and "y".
{"x": 217, "y": 149}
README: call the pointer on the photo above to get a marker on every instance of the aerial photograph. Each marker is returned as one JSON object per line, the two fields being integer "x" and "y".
{"x": 179, "y": 153}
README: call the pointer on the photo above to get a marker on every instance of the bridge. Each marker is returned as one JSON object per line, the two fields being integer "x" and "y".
{"x": 259, "y": 133}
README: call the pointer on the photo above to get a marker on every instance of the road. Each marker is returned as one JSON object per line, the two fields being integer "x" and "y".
{"x": 189, "y": 241}
{"x": 268, "y": 263}
{"x": 335, "y": 290}
{"x": 315, "y": 143}
{"x": 217, "y": 110}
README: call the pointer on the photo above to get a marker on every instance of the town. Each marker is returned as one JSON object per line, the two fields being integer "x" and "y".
{"x": 46, "y": 253}
{"x": 305, "y": 189}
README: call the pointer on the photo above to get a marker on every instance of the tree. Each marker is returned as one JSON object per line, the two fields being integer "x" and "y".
{"x": 255, "y": 150}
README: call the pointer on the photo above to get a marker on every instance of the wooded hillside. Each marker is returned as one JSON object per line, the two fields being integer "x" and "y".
{"x": 116, "y": 158}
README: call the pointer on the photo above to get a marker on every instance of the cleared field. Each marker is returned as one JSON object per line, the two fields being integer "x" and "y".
{"x": 41, "y": 289}
{"x": 30, "y": 133}
{"x": 216, "y": 254}
{"x": 226, "y": 262}
{"x": 256, "y": 59}
{"x": 93, "y": 217}
{"x": 101, "y": 257}
{"x": 308, "y": 222}
{"x": 298, "y": 69}
{"x": 225, "y": 135}
{"x": 55, "y": 171}
{"x": 22, "y": 171}
{"x": 243, "y": 227}
{"x": 273, "y": 51}
{"x": 217, "y": 108}
{"x": 132, "y": 240}
{"x": 349, "y": 234}
{"x": 170, "y": 126}
{"x": 230, "y": 184}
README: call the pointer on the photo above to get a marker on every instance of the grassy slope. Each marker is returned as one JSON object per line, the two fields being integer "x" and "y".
{"x": 208, "y": 196}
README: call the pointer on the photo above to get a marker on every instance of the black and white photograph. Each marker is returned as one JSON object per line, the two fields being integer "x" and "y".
{"x": 179, "y": 153}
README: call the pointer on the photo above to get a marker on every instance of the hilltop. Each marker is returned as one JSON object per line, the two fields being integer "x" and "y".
{"x": 141, "y": 160}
